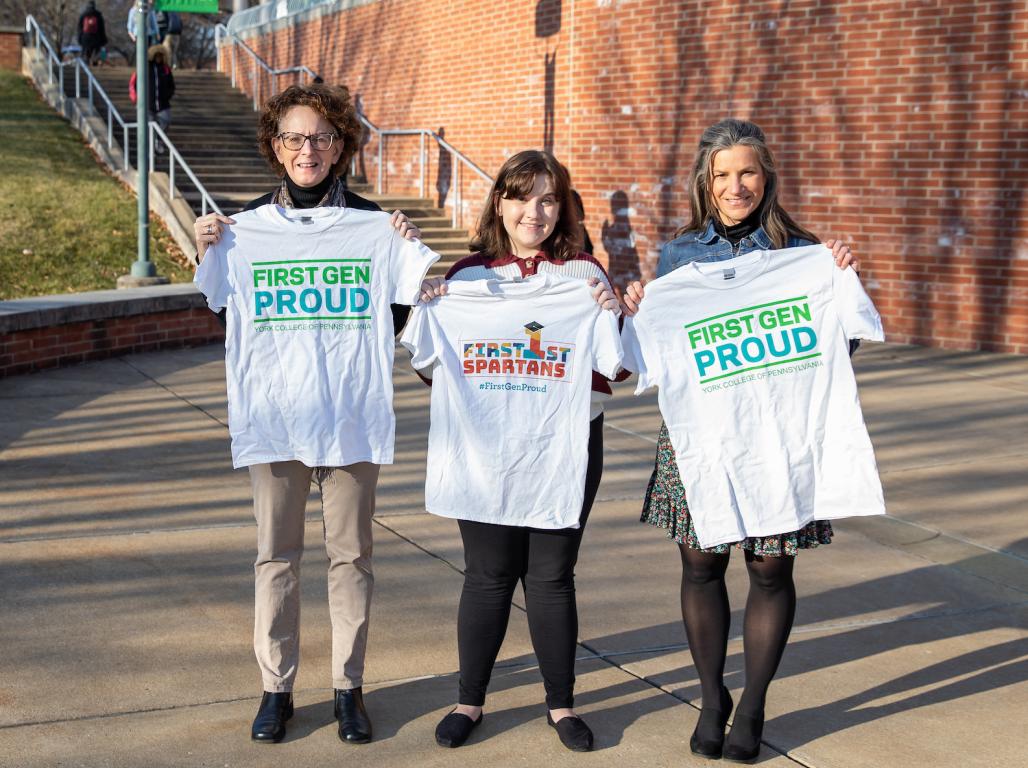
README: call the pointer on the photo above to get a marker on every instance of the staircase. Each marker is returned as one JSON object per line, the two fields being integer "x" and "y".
{"x": 214, "y": 128}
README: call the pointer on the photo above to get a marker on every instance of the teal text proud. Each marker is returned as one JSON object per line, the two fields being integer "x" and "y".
{"x": 311, "y": 289}
{"x": 751, "y": 338}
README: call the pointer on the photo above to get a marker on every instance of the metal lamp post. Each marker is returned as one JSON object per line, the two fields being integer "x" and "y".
{"x": 143, "y": 267}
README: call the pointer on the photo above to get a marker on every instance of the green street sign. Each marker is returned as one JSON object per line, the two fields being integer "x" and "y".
{"x": 187, "y": 6}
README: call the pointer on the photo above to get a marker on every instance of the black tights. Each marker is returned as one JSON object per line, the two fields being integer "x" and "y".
{"x": 770, "y": 608}
{"x": 496, "y": 558}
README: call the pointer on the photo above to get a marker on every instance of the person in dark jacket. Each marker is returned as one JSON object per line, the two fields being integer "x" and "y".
{"x": 92, "y": 36}
{"x": 160, "y": 89}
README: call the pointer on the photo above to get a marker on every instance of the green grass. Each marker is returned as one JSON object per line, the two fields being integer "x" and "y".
{"x": 66, "y": 225}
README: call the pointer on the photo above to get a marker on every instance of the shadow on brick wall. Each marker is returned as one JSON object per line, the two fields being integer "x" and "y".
{"x": 618, "y": 239}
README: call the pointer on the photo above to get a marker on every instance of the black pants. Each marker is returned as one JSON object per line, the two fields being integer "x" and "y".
{"x": 496, "y": 557}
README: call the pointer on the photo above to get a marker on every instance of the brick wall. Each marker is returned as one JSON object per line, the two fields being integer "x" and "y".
{"x": 10, "y": 47}
{"x": 23, "y": 351}
{"x": 899, "y": 125}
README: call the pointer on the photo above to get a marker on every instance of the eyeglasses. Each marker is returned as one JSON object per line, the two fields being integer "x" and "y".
{"x": 295, "y": 141}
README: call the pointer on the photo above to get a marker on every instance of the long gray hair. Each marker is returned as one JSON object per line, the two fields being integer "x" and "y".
{"x": 726, "y": 134}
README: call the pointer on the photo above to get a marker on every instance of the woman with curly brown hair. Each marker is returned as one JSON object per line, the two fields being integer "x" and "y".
{"x": 308, "y": 135}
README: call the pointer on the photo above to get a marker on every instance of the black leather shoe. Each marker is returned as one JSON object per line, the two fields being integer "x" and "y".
{"x": 454, "y": 729}
{"x": 743, "y": 744}
{"x": 574, "y": 733}
{"x": 354, "y": 725}
{"x": 270, "y": 724}
{"x": 708, "y": 737}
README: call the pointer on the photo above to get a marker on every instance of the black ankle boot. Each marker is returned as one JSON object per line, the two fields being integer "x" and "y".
{"x": 709, "y": 735}
{"x": 354, "y": 725}
{"x": 743, "y": 743}
{"x": 270, "y": 724}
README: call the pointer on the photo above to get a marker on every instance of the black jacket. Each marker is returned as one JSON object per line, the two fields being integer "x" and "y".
{"x": 96, "y": 40}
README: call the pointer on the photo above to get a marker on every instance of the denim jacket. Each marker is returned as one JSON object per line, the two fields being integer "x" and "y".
{"x": 709, "y": 245}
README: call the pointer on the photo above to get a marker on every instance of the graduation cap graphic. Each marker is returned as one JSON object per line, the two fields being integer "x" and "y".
{"x": 535, "y": 344}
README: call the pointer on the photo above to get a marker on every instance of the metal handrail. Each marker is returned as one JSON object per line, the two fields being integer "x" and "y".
{"x": 94, "y": 90}
{"x": 256, "y": 60}
{"x": 458, "y": 158}
{"x": 173, "y": 156}
{"x": 93, "y": 86}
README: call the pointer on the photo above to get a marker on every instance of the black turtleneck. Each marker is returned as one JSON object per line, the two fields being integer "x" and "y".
{"x": 308, "y": 197}
{"x": 744, "y": 228}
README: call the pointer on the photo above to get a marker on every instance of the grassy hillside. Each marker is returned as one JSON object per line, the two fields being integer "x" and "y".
{"x": 65, "y": 224}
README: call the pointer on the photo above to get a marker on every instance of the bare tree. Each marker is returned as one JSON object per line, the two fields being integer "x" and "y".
{"x": 196, "y": 47}
{"x": 56, "y": 18}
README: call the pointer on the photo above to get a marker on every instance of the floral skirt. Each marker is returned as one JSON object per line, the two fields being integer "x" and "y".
{"x": 665, "y": 506}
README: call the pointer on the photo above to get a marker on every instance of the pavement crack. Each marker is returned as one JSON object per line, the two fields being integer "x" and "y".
{"x": 173, "y": 393}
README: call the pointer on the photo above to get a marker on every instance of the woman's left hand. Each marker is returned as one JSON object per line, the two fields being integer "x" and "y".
{"x": 432, "y": 287}
{"x": 404, "y": 226}
{"x": 604, "y": 296}
{"x": 843, "y": 255}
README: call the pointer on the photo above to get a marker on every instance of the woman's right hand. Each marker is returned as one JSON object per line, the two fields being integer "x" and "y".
{"x": 207, "y": 231}
{"x": 432, "y": 287}
{"x": 631, "y": 298}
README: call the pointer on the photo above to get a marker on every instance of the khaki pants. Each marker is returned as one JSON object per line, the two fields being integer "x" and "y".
{"x": 280, "y": 494}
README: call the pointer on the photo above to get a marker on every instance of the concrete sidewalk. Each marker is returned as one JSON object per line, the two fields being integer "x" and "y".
{"x": 127, "y": 541}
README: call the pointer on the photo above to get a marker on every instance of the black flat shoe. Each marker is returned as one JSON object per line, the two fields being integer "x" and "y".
{"x": 573, "y": 732}
{"x": 708, "y": 737}
{"x": 354, "y": 725}
{"x": 454, "y": 729}
{"x": 270, "y": 724}
{"x": 743, "y": 743}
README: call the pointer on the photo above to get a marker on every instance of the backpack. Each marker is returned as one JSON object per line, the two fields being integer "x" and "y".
{"x": 90, "y": 25}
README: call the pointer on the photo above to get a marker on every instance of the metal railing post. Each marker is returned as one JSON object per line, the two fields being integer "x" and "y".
{"x": 78, "y": 80}
{"x": 233, "y": 63}
{"x": 60, "y": 82}
{"x": 152, "y": 139}
{"x": 110, "y": 128}
{"x": 453, "y": 185}
{"x": 124, "y": 145}
{"x": 171, "y": 175}
{"x": 381, "y": 141}
{"x": 253, "y": 82}
{"x": 421, "y": 167}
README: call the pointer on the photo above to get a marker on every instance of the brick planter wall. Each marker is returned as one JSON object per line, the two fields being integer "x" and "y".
{"x": 10, "y": 47}
{"x": 52, "y": 331}
{"x": 900, "y": 125}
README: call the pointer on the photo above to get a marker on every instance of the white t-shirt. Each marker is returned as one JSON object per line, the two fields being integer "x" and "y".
{"x": 512, "y": 369}
{"x": 751, "y": 359}
{"x": 309, "y": 343}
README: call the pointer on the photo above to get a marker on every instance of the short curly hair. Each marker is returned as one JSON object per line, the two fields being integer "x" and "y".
{"x": 332, "y": 102}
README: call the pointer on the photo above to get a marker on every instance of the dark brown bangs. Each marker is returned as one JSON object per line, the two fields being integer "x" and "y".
{"x": 521, "y": 181}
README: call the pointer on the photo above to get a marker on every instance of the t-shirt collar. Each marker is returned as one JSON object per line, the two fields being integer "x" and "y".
{"x": 303, "y": 220}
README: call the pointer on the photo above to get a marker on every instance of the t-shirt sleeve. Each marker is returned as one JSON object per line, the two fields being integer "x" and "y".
{"x": 857, "y": 313}
{"x": 408, "y": 265}
{"x": 606, "y": 350}
{"x": 421, "y": 337}
{"x": 212, "y": 277}
{"x": 639, "y": 355}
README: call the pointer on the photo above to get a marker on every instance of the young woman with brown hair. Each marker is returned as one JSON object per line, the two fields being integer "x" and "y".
{"x": 528, "y": 226}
